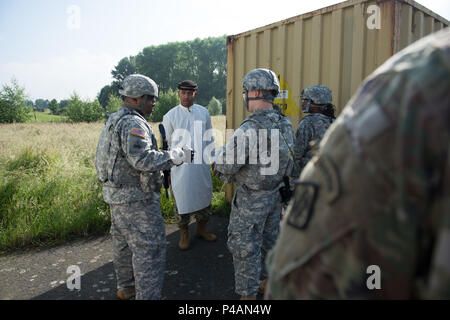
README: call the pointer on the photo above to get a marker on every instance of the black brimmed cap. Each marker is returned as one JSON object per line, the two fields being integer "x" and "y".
{"x": 187, "y": 85}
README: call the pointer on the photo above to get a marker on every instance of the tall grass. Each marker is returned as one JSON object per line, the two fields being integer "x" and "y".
{"x": 49, "y": 191}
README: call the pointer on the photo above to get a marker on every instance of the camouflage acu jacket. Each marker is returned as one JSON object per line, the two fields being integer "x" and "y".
{"x": 311, "y": 128}
{"x": 128, "y": 152}
{"x": 370, "y": 218}
{"x": 257, "y": 154}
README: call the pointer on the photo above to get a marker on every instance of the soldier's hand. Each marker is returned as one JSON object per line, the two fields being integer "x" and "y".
{"x": 177, "y": 156}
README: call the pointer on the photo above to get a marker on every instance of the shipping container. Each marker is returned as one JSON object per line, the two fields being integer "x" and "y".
{"x": 337, "y": 46}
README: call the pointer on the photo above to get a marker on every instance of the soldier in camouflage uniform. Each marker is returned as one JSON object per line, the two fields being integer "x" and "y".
{"x": 256, "y": 206}
{"x": 129, "y": 164}
{"x": 316, "y": 103}
{"x": 370, "y": 218}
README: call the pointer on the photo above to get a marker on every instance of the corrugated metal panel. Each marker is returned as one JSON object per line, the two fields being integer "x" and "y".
{"x": 333, "y": 46}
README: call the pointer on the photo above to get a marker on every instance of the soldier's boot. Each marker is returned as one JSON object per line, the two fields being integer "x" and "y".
{"x": 201, "y": 232}
{"x": 184, "y": 242}
{"x": 248, "y": 298}
{"x": 127, "y": 293}
{"x": 262, "y": 286}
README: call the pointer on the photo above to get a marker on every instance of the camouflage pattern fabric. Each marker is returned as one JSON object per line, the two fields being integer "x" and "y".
{"x": 139, "y": 247}
{"x": 311, "y": 128}
{"x": 137, "y": 85}
{"x": 256, "y": 206}
{"x": 185, "y": 219}
{"x": 377, "y": 195}
{"x": 136, "y": 170}
{"x": 132, "y": 190}
{"x": 318, "y": 93}
{"x": 261, "y": 79}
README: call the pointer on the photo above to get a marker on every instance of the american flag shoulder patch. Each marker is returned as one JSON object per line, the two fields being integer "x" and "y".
{"x": 138, "y": 132}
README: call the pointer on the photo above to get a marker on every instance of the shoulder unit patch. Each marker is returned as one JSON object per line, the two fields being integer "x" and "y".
{"x": 303, "y": 205}
{"x": 138, "y": 132}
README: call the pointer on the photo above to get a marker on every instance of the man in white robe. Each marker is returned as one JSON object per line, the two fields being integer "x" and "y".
{"x": 187, "y": 125}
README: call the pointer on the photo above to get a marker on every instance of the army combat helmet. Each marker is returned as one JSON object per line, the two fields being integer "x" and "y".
{"x": 317, "y": 94}
{"x": 136, "y": 86}
{"x": 261, "y": 79}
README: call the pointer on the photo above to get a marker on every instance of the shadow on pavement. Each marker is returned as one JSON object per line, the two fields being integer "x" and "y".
{"x": 203, "y": 272}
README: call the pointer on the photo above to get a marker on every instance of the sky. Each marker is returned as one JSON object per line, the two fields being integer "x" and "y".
{"x": 53, "y": 48}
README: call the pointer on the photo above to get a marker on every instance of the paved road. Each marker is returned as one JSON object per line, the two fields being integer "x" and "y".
{"x": 205, "y": 271}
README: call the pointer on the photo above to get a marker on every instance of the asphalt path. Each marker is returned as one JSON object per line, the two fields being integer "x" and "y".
{"x": 203, "y": 272}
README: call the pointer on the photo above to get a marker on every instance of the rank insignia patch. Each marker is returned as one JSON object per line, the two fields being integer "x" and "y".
{"x": 303, "y": 206}
{"x": 138, "y": 132}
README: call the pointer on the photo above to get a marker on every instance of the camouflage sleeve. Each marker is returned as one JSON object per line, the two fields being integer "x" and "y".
{"x": 235, "y": 154}
{"x": 138, "y": 144}
{"x": 302, "y": 137}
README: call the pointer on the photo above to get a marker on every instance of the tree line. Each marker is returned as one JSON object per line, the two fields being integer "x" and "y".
{"x": 200, "y": 60}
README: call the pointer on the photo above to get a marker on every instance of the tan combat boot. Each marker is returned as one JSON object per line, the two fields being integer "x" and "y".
{"x": 127, "y": 293}
{"x": 201, "y": 232}
{"x": 248, "y": 298}
{"x": 183, "y": 244}
{"x": 262, "y": 286}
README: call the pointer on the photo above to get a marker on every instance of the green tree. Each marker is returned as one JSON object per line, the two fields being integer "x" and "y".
{"x": 165, "y": 102}
{"x": 83, "y": 111}
{"x": 62, "y": 106}
{"x": 13, "y": 103}
{"x": 53, "y": 106}
{"x": 93, "y": 111}
{"x": 124, "y": 68}
{"x": 41, "y": 104}
{"x": 214, "y": 107}
{"x": 114, "y": 103}
{"x": 201, "y": 60}
{"x": 74, "y": 110}
{"x": 106, "y": 91}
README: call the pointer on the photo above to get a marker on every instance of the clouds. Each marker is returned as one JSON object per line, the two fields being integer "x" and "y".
{"x": 82, "y": 71}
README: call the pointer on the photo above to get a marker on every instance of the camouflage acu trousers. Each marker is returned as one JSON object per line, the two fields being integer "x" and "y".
{"x": 252, "y": 232}
{"x": 200, "y": 215}
{"x": 139, "y": 247}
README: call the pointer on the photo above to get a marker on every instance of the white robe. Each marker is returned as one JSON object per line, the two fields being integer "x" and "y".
{"x": 191, "y": 183}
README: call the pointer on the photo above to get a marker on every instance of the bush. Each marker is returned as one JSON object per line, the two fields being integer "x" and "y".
{"x": 13, "y": 104}
{"x": 114, "y": 103}
{"x": 41, "y": 202}
{"x": 165, "y": 102}
{"x": 214, "y": 107}
{"x": 83, "y": 111}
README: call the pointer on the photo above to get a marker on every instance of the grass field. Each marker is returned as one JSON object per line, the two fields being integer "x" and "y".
{"x": 46, "y": 117}
{"x": 49, "y": 191}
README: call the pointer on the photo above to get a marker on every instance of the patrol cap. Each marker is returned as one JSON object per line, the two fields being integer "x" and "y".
{"x": 187, "y": 85}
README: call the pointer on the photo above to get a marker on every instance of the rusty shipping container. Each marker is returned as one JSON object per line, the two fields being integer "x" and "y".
{"x": 337, "y": 46}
